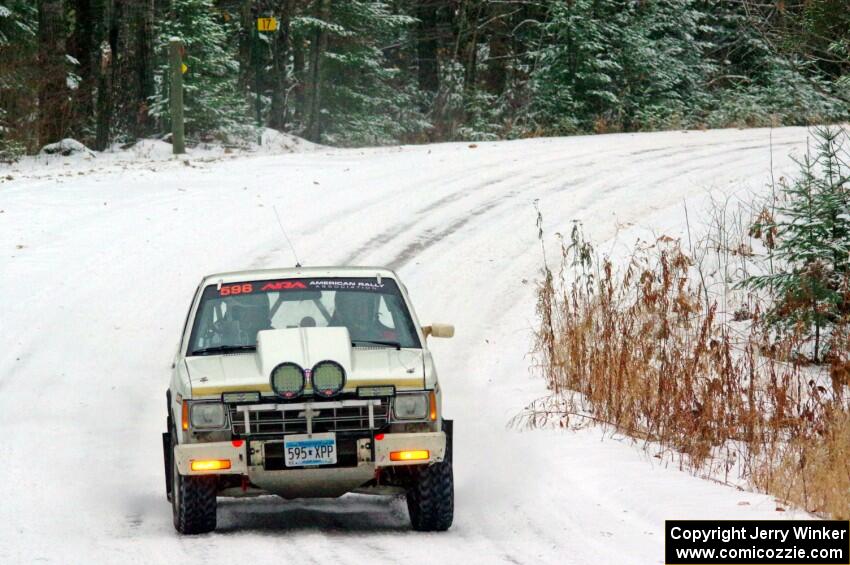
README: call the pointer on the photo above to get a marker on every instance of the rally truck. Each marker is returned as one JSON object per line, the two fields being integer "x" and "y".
{"x": 305, "y": 383}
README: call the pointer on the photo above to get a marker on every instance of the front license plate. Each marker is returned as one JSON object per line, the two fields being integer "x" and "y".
{"x": 304, "y": 450}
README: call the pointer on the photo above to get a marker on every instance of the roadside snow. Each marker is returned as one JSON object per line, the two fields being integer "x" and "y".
{"x": 66, "y": 148}
{"x": 71, "y": 156}
{"x": 99, "y": 258}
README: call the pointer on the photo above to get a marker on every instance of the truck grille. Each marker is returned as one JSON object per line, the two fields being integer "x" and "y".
{"x": 331, "y": 416}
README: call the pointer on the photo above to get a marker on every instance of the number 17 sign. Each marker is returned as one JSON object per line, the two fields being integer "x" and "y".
{"x": 266, "y": 24}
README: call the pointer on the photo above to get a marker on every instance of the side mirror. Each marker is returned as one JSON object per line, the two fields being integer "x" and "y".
{"x": 439, "y": 330}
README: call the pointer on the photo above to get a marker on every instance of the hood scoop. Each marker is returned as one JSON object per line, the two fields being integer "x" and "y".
{"x": 304, "y": 347}
{"x": 212, "y": 375}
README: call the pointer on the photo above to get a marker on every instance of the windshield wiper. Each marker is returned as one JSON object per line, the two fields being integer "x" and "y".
{"x": 394, "y": 344}
{"x": 223, "y": 349}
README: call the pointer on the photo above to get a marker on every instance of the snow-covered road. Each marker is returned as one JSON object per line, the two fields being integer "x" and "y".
{"x": 98, "y": 262}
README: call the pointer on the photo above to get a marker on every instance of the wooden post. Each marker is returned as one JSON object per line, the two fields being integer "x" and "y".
{"x": 177, "y": 133}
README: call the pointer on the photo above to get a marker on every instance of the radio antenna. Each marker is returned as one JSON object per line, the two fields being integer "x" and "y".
{"x": 291, "y": 247}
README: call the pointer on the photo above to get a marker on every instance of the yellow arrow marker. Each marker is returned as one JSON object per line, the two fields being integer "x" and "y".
{"x": 184, "y": 68}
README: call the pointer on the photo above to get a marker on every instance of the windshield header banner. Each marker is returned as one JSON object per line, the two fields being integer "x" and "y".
{"x": 387, "y": 286}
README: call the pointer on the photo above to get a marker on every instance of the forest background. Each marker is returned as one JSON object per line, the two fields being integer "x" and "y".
{"x": 361, "y": 72}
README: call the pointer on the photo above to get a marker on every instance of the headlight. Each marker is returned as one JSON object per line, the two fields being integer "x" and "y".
{"x": 288, "y": 380}
{"x": 208, "y": 416}
{"x": 410, "y": 406}
{"x": 328, "y": 378}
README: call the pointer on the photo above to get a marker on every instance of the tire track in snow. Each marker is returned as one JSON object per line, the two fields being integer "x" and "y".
{"x": 428, "y": 237}
{"x": 546, "y": 159}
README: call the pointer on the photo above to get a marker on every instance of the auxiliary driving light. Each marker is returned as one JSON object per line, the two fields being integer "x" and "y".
{"x": 373, "y": 391}
{"x": 240, "y": 397}
{"x": 211, "y": 465}
{"x": 288, "y": 380}
{"x": 328, "y": 378}
{"x": 415, "y": 455}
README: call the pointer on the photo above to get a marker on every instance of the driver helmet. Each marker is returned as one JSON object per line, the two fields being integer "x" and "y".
{"x": 251, "y": 311}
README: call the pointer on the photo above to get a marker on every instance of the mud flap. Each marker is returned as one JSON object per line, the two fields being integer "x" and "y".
{"x": 166, "y": 457}
{"x": 448, "y": 429}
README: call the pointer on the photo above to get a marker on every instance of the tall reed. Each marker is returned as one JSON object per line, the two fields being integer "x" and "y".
{"x": 649, "y": 350}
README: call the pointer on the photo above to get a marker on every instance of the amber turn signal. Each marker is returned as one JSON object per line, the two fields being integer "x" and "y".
{"x": 185, "y": 415}
{"x": 212, "y": 465}
{"x": 433, "y": 406}
{"x": 415, "y": 455}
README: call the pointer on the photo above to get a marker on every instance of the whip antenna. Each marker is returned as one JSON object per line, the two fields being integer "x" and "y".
{"x": 291, "y": 247}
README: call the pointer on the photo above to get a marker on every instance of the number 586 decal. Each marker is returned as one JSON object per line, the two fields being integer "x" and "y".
{"x": 232, "y": 289}
{"x": 268, "y": 286}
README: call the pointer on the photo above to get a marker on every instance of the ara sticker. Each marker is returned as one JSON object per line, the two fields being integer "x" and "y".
{"x": 282, "y": 285}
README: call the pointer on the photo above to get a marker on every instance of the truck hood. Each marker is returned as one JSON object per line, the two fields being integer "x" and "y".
{"x": 212, "y": 375}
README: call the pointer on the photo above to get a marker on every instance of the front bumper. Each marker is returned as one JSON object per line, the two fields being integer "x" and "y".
{"x": 249, "y": 457}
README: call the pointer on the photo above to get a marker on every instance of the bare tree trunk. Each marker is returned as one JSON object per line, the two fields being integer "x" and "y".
{"x": 101, "y": 64}
{"x": 298, "y": 64}
{"x": 471, "y": 45}
{"x": 104, "y": 97}
{"x": 500, "y": 36}
{"x": 426, "y": 46}
{"x": 53, "y": 95}
{"x": 83, "y": 47}
{"x": 318, "y": 47}
{"x": 246, "y": 38}
{"x": 144, "y": 64}
{"x": 280, "y": 59}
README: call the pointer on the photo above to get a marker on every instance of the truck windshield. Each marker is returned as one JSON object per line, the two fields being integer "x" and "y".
{"x": 229, "y": 316}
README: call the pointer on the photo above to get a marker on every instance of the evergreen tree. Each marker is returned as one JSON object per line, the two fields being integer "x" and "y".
{"x": 212, "y": 100}
{"x": 18, "y": 76}
{"x": 811, "y": 36}
{"x": 371, "y": 71}
{"x": 364, "y": 98}
{"x": 608, "y": 64}
{"x": 751, "y": 85}
{"x": 812, "y": 250}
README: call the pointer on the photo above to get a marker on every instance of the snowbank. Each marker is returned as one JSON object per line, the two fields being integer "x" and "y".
{"x": 70, "y": 154}
{"x": 66, "y": 148}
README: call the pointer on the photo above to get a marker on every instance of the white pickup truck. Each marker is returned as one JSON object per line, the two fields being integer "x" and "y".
{"x": 306, "y": 382}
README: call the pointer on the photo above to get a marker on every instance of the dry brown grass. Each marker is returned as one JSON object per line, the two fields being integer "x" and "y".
{"x": 645, "y": 351}
{"x": 812, "y": 471}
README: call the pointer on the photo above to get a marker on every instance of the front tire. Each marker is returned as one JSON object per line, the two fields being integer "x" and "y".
{"x": 193, "y": 501}
{"x": 430, "y": 501}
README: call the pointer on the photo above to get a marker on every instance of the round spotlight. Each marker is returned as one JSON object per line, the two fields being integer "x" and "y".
{"x": 328, "y": 378}
{"x": 288, "y": 380}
